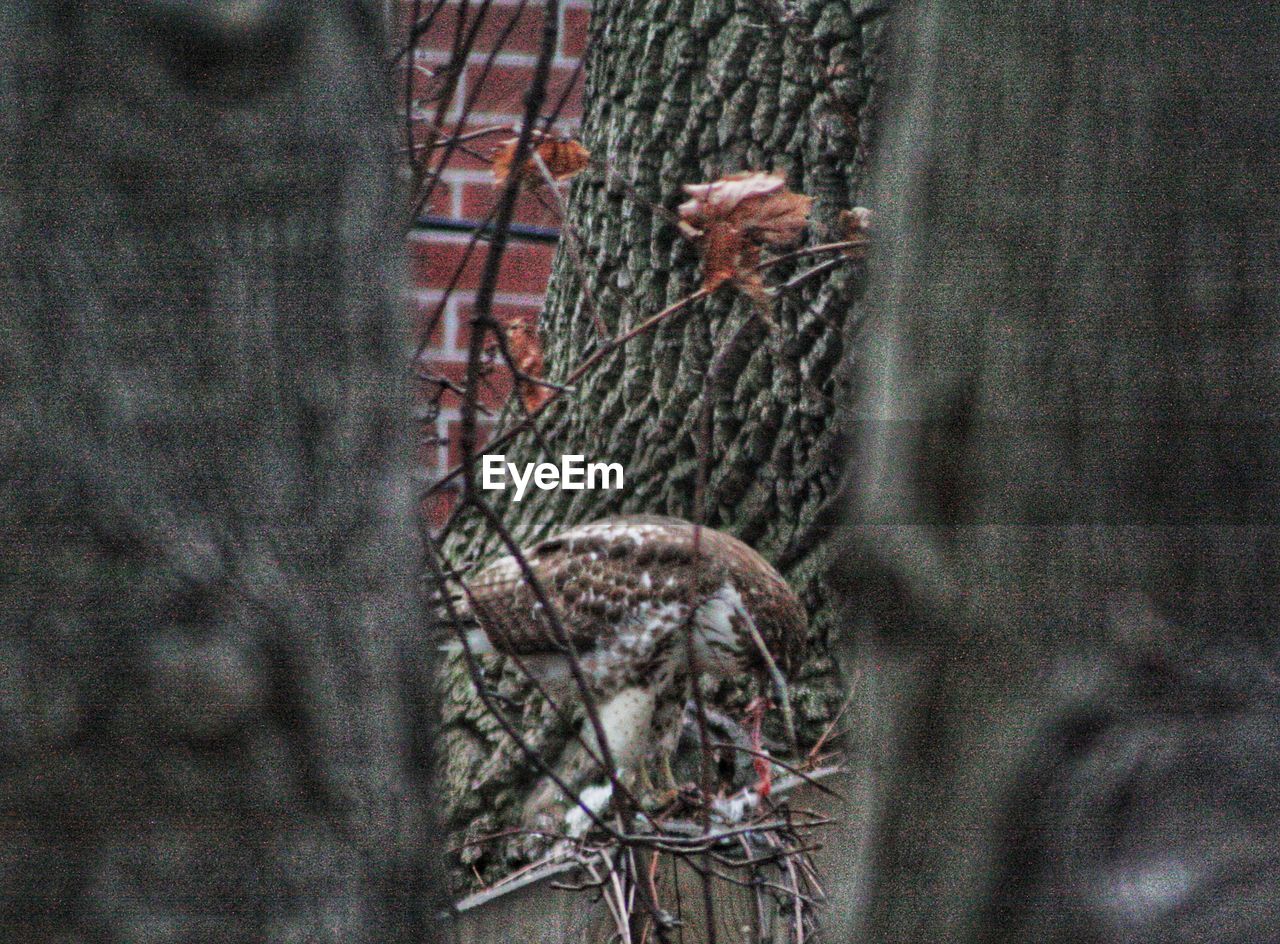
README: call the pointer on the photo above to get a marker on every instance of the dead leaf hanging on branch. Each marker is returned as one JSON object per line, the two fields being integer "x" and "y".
{"x": 732, "y": 218}
{"x": 563, "y": 157}
{"x": 525, "y": 347}
{"x": 526, "y": 352}
{"x": 855, "y": 227}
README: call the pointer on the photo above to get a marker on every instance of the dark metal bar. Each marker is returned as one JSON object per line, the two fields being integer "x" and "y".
{"x": 521, "y": 231}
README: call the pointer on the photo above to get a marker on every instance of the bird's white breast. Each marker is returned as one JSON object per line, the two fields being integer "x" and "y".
{"x": 626, "y": 719}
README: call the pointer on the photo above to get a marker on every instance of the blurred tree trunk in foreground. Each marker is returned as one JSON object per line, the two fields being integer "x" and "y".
{"x": 677, "y": 93}
{"x": 211, "y": 715}
{"x": 1067, "y": 476}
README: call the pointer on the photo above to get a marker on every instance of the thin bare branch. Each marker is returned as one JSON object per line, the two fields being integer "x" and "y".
{"x": 582, "y": 369}
{"x": 477, "y": 679}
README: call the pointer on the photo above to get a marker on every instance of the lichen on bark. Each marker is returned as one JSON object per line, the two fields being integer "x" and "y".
{"x": 679, "y": 93}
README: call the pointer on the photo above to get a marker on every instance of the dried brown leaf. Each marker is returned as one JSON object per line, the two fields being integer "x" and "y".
{"x": 564, "y": 158}
{"x": 855, "y": 227}
{"x": 526, "y": 353}
{"x": 732, "y": 218}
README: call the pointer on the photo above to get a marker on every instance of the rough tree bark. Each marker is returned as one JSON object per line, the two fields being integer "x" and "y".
{"x": 1067, "y": 477}
{"x": 677, "y": 93}
{"x": 211, "y": 712}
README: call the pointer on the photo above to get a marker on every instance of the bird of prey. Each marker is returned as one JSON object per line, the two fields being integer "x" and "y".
{"x": 631, "y": 594}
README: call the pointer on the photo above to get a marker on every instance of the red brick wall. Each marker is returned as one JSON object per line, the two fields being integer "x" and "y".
{"x": 468, "y": 193}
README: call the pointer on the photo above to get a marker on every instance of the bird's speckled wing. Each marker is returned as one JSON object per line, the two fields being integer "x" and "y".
{"x": 610, "y": 574}
{"x": 600, "y": 577}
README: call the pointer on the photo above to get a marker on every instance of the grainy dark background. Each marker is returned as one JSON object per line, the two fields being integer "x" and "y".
{"x": 1066, "y": 476}
{"x": 213, "y": 723}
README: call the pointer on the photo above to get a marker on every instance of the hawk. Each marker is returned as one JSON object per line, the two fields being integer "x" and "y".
{"x": 631, "y": 594}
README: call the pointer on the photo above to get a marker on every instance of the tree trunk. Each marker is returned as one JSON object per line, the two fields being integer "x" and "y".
{"x": 1068, "y": 493}
{"x": 679, "y": 93}
{"x": 213, "y": 726}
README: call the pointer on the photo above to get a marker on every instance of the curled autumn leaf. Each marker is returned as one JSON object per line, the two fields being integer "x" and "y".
{"x": 855, "y": 228}
{"x": 733, "y": 218}
{"x": 525, "y": 347}
{"x": 564, "y": 158}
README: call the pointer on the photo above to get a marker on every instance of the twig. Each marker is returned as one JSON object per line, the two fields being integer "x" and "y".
{"x": 424, "y": 341}
{"x": 408, "y": 81}
{"x": 577, "y": 374}
{"x": 483, "y": 321}
{"x": 468, "y": 136}
{"x": 779, "y": 683}
{"x": 806, "y": 275}
{"x": 507, "y": 435}
{"x": 477, "y": 680}
{"x": 754, "y": 861}
{"x": 789, "y": 768}
{"x": 808, "y": 251}
{"x": 826, "y": 733}
{"x": 416, "y": 30}
{"x": 550, "y": 119}
{"x": 562, "y": 638}
{"x": 704, "y": 840}
{"x": 458, "y": 59}
{"x": 528, "y": 673}
{"x": 575, "y": 251}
